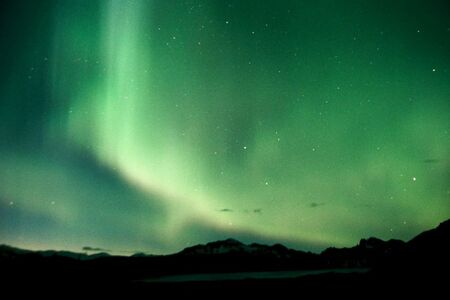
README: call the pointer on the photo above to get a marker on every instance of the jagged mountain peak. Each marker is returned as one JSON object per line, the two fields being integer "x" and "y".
{"x": 233, "y": 246}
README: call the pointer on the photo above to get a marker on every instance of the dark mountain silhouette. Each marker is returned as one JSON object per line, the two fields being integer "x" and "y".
{"x": 428, "y": 251}
{"x": 11, "y": 252}
{"x": 368, "y": 253}
{"x": 432, "y": 240}
{"x": 419, "y": 260}
{"x": 234, "y": 247}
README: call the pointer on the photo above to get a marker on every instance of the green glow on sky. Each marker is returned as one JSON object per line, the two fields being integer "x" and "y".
{"x": 152, "y": 125}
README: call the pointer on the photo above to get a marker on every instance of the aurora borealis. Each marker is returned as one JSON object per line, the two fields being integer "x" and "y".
{"x": 153, "y": 125}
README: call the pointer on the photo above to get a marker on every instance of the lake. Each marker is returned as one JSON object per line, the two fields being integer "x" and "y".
{"x": 249, "y": 275}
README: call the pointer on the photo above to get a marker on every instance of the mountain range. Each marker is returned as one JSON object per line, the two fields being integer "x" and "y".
{"x": 421, "y": 257}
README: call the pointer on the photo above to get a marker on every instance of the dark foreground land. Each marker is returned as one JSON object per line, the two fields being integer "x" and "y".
{"x": 373, "y": 267}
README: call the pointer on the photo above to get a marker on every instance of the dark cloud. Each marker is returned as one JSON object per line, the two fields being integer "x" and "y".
{"x": 88, "y": 248}
{"x": 315, "y": 204}
{"x": 430, "y": 161}
{"x": 246, "y": 211}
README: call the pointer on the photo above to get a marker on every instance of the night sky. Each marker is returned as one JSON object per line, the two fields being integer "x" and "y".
{"x": 154, "y": 125}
